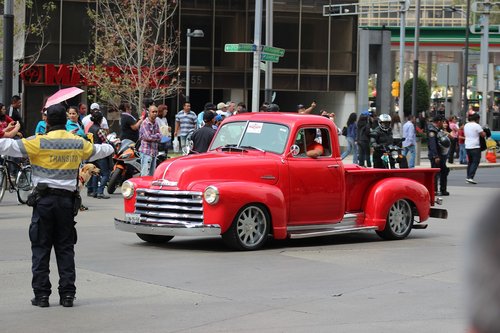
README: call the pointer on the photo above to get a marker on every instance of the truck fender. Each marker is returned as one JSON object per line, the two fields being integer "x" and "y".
{"x": 235, "y": 195}
{"x": 385, "y": 192}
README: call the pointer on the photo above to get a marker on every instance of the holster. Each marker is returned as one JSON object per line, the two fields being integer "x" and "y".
{"x": 77, "y": 203}
{"x": 38, "y": 192}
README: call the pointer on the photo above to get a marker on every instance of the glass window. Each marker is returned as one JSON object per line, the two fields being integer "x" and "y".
{"x": 229, "y": 135}
{"x": 310, "y": 138}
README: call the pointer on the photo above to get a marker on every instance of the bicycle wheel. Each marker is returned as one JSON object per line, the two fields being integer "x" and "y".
{"x": 3, "y": 183}
{"x": 23, "y": 184}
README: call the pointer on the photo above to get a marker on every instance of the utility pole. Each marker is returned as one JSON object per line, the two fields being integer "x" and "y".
{"x": 256, "y": 57}
{"x": 485, "y": 23}
{"x": 269, "y": 42}
{"x": 402, "y": 36}
{"x": 466, "y": 62}
{"x": 8, "y": 48}
{"x": 415, "y": 62}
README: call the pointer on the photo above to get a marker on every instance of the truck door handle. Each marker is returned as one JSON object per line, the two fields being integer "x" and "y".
{"x": 333, "y": 166}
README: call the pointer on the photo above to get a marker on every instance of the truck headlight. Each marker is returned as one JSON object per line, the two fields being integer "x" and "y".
{"x": 127, "y": 189}
{"x": 211, "y": 195}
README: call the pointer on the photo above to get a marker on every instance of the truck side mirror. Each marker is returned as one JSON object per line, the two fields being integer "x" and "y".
{"x": 294, "y": 150}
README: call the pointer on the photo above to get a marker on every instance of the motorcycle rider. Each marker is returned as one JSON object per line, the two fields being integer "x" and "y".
{"x": 380, "y": 137}
{"x": 439, "y": 146}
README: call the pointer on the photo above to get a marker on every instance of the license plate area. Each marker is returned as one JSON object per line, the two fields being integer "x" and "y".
{"x": 133, "y": 218}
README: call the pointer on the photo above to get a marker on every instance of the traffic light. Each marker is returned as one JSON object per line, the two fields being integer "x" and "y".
{"x": 395, "y": 89}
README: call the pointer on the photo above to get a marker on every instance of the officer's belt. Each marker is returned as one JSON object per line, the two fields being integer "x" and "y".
{"x": 60, "y": 192}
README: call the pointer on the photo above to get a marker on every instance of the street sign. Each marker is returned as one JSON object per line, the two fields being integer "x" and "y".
{"x": 242, "y": 47}
{"x": 273, "y": 50}
{"x": 269, "y": 57}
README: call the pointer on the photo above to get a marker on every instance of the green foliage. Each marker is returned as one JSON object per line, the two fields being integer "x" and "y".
{"x": 422, "y": 99}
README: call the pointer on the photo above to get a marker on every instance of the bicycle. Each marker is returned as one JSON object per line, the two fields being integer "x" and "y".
{"x": 21, "y": 185}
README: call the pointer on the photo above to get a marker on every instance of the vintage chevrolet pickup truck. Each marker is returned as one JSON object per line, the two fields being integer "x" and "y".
{"x": 256, "y": 182}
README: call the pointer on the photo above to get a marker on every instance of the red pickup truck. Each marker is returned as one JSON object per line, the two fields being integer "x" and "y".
{"x": 256, "y": 181}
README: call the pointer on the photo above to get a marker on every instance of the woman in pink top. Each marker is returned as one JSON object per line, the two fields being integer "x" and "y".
{"x": 453, "y": 129}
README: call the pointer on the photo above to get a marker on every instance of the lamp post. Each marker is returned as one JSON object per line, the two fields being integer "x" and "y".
{"x": 189, "y": 34}
{"x": 466, "y": 54}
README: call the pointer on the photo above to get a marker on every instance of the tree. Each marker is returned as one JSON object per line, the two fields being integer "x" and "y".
{"x": 422, "y": 98}
{"x": 135, "y": 46}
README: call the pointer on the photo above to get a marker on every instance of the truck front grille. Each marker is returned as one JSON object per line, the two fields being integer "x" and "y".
{"x": 169, "y": 207}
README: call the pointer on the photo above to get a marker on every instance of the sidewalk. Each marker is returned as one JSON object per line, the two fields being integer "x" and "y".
{"x": 425, "y": 163}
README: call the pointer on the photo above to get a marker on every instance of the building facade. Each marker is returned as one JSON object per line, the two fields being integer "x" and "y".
{"x": 319, "y": 62}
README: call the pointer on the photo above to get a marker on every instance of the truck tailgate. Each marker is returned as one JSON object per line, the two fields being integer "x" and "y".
{"x": 359, "y": 180}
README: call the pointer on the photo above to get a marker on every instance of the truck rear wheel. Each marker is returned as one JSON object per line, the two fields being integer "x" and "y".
{"x": 399, "y": 221}
{"x": 155, "y": 239}
{"x": 249, "y": 230}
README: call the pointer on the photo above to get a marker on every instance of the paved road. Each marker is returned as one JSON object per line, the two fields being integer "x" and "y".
{"x": 350, "y": 283}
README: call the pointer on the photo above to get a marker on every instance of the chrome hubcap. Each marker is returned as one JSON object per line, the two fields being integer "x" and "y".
{"x": 251, "y": 226}
{"x": 400, "y": 217}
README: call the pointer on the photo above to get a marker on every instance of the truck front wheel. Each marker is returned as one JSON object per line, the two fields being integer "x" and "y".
{"x": 155, "y": 239}
{"x": 249, "y": 230}
{"x": 399, "y": 221}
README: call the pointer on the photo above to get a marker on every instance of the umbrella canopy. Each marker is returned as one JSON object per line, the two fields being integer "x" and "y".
{"x": 63, "y": 95}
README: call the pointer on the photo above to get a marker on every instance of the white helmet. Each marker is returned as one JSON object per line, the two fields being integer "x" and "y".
{"x": 384, "y": 121}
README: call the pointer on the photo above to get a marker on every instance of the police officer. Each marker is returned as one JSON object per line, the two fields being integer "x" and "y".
{"x": 380, "y": 137}
{"x": 55, "y": 159}
{"x": 439, "y": 144}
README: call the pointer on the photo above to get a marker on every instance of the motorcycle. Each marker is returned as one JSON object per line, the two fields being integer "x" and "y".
{"x": 392, "y": 155}
{"x": 127, "y": 163}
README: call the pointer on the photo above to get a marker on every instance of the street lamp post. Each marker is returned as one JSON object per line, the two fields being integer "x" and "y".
{"x": 466, "y": 61}
{"x": 466, "y": 54}
{"x": 189, "y": 34}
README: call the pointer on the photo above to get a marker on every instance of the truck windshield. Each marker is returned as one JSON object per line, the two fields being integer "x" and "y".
{"x": 252, "y": 135}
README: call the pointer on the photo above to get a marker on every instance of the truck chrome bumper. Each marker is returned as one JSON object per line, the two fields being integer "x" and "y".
{"x": 168, "y": 229}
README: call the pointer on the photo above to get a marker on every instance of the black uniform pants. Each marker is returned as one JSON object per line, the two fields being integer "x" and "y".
{"x": 442, "y": 176}
{"x": 52, "y": 226}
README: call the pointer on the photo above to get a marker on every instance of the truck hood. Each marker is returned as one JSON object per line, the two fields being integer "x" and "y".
{"x": 187, "y": 171}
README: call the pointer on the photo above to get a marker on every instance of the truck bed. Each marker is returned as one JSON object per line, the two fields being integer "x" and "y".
{"x": 360, "y": 179}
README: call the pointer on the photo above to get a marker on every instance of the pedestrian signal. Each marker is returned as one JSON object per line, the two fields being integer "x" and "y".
{"x": 395, "y": 89}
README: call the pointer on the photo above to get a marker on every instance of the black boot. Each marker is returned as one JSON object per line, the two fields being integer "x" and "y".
{"x": 41, "y": 301}
{"x": 67, "y": 301}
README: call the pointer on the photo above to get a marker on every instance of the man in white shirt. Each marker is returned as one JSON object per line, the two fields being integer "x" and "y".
{"x": 473, "y": 131}
{"x": 86, "y": 119}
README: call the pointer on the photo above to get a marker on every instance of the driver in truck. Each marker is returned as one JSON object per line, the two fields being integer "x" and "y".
{"x": 313, "y": 148}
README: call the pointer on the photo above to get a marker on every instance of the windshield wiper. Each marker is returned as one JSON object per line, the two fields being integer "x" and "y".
{"x": 255, "y": 148}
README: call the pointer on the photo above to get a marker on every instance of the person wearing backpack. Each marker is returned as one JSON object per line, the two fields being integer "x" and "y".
{"x": 351, "y": 133}
{"x": 363, "y": 139}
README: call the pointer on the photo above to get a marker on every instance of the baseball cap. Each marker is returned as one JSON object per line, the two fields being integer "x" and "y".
{"x": 221, "y": 105}
{"x": 56, "y": 115}
{"x": 300, "y": 106}
{"x": 94, "y": 106}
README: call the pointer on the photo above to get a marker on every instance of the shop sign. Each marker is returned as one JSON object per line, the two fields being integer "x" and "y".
{"x": 69, "y": 75}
